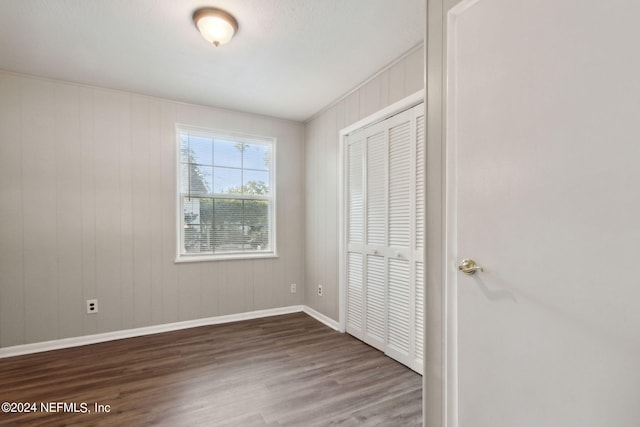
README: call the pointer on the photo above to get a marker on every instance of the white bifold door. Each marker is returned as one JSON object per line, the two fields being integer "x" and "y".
{"x": 385, "y": 179}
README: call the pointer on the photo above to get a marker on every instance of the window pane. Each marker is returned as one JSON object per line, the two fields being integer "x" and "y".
{"x": 191, "y": 211}
{"x": 195, "y": 179}
{"x": 256, "y": 222}
{"x": 196, "y": 149}
{"x": 198, "y": 220}
{"x": 192, "y": 239}
{"x": 256, "y": 156}
{"x": 206, "y": 211}
{"x": 227, "y": 180}
{"x": 227, "y": 153}
{"x": 228, "y": 229}
{"x": 256, "y": 182}
{"x": 191, "y": 225}
{"x": 184, "y": 151}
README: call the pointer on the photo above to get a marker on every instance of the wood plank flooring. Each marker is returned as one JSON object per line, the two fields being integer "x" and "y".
{"x": 285, "y": 370}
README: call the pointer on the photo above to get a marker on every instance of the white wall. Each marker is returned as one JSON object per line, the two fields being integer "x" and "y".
{"x": 402, "y": 78}
{"x": 87, "y": 210}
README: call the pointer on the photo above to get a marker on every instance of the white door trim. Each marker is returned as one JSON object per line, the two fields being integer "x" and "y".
{"x": 440, "y": 379}
{"x": 451, "y": 212}
{"x": 393, "y": 109}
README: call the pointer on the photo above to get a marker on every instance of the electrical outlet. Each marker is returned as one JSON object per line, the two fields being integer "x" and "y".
{"x": 92, "y": 306}
{"x": 293, "y": 288}
{"x": 320, "y": 290}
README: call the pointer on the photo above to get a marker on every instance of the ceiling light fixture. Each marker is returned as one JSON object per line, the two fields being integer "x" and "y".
{"x": 215, "y": 25}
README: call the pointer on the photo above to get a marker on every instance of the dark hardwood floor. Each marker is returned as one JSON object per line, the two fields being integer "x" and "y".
{"x": 284, "y": 370}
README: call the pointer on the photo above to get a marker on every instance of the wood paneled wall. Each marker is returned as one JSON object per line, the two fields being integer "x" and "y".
{"x": 87, "y": 210}
{"x": 403, "y": 78}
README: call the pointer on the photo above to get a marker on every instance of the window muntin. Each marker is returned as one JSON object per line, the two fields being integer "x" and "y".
{"x": 226, "y": 200}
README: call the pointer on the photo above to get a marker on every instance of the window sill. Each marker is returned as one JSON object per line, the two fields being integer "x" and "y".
{"x": 226, "y": 257}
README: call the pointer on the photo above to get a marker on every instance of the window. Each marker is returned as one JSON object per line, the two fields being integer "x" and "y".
{"x": 226, "y": 199}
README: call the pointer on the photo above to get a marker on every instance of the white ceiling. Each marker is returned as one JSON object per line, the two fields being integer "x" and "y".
{"x": 289, "y": 59}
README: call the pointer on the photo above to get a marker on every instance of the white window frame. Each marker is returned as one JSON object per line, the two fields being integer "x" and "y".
{"x": 181, "y": 256}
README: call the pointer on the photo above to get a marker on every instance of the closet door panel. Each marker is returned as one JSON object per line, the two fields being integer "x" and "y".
{"x": 420, "y": 160}
{"x": 376, "y": 212}
{"x": 355, "y": 193}
{"x": 399, "y": 305}
{"x": 419, "y": 310}
{"x": 375, "y": 302}
{"x": 399, "y": 183}
{"x": 419, "y": 221}
{"x": 355, "y": 236}
{"x": 355, "y": 306}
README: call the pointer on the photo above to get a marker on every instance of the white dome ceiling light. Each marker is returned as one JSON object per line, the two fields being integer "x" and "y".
{"x": 215, "y": 25}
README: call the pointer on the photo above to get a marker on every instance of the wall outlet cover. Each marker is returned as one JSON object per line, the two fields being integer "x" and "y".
{"x": 92, "y": 306}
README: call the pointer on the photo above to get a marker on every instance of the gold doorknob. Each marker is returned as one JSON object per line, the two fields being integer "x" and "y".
{"x": 469, "y": 266}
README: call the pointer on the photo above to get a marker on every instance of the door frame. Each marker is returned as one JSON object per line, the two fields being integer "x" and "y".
{"x": 440, "y": 364}
{"x": 377, "y": 117}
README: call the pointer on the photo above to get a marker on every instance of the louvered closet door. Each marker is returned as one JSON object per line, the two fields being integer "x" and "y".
{"x": 400, "y": 292}
{"x": 419, "y": 149}
{"x": 385, "y": 226}
{"x": 376, "y": 236}
{"x": 355, "y": 234}
{"x": 405, "y": 284}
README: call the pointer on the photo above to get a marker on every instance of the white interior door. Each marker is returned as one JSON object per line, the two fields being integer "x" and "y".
{"x": 543, "y": 169}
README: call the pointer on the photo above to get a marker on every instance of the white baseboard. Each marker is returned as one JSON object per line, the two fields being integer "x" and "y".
{"x": 321, "y": 318}
{"x": 38, "y": 347}
{"x": 19, "y": 350}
